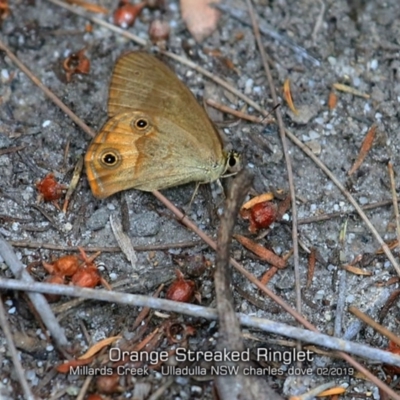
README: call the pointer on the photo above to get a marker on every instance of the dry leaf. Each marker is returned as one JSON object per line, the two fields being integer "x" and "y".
{"x": 200, "y": 18}
{"x": 365, "y": 148}
{"x": 351, "y": 90}
{"x": 65, "y": 367}
{"x": 258, "y": 199}
{"x": 356, "y": 270}
{"x": 98, "y": 346}
{"x": 265, "y": 254}
{"x": 287, "y": 94}
{"x": 124, "y": 241}
{"x": 332, "y": 391}
{"x": 332, "y": 100}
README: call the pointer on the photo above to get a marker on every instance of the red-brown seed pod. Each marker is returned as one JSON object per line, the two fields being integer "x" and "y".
{"x": 108, "y": 384}
{"x": 66, "y": 265}
{"x": 49, "y": 189}
{"x": 126, "y": 13}
{"x": 4, "y": 9}
{"x": 86, "y": 277}
{"x": 181, "y": 290}
{"x": 76, "y": 63}
{"x": 261, "y": 215}
{"x": 159, "y": 31}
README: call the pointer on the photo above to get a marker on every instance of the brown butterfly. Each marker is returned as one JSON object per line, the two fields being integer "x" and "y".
{"x": 158, "y": 136}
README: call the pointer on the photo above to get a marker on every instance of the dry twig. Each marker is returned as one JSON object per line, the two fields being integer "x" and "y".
{"x": 233, "y": 387}
{"x": 11, "y": 349}
{"x": 395, "y": 200}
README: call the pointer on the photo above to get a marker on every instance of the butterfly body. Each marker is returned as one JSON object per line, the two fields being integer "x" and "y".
{"x": 157, "y": 135}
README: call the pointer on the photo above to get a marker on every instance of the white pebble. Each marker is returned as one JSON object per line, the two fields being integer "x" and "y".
{"x": 367, "y": 108}
{"x": 286, "y": 217}
{"x": 113, "y": 276}
{"x": 248, "y": 86}
{"x": 313, "y": 135}
{"x": 30, "y": 375}
{"x": 12, "y": 310}
{"x": 350, "y": 298}
{"x": 5, "y": 76}
{"x": 373, "y": 64}
{"x": 328, "y": 316}
{"x": 46, "y": 123}
{"x": 49, "y": 347}
{"x": 67, "y": 227}
{"x": 332, "y": 60}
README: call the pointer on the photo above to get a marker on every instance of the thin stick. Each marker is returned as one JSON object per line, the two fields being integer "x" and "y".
{"x": 197, "y": 311}
{"x": 341, "y": 301}
{"x": 318, "y": 23}
{"x": 150, "y": 247}
{"x": 281, "y": 126}
{"x": 395, "y": 201}
{"x": 11, "y": 349}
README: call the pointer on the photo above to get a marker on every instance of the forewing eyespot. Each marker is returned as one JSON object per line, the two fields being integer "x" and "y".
{"x": 110, "y": 158}
{"x": 141, "y": 125}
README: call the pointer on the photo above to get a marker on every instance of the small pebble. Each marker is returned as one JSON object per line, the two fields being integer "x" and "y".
{"x": 67, "y": 227}
{"x": 248, "y": 88}
{"x": 98, "y": 219}
{"x": 305, "y": 113}
{"x": 46, "y": 123}
{"x": 315, "y": 147}
{"x": 146, "y": 224}
{"x": 113, "y": 276}
{"x": 373, "y": 64}
{"x": 5, "y": 76}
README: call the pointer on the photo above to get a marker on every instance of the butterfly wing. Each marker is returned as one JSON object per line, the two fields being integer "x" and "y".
{"x": 141, "y": 82}
{"x": 124, "y": 155}
{"x": 158, "y": 136}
